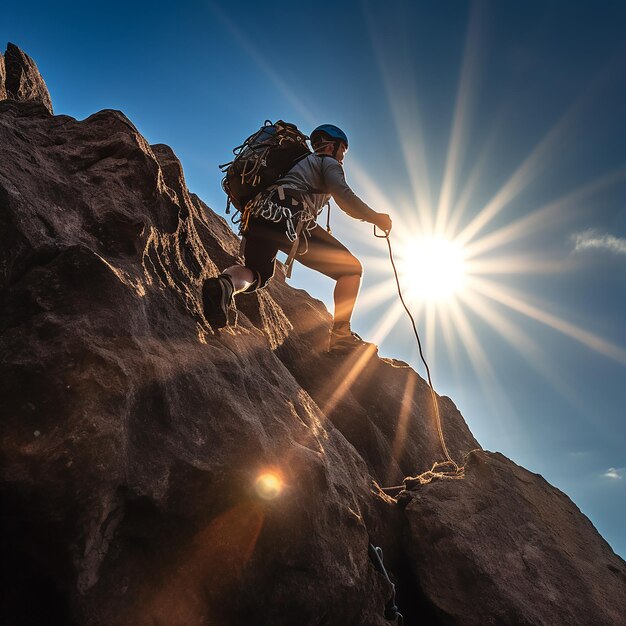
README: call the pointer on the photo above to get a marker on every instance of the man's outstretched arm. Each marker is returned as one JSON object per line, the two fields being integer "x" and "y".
{"x": 347, "y": 200}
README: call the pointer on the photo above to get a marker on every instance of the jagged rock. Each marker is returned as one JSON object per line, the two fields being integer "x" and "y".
{"x": 513, "y": 548}
{"x": 132, "y": 434}
{"x": 23, "y": 81}
{"x": 3, "y": 78}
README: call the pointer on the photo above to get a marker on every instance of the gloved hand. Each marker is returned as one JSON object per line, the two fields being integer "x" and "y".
{"x": 383, "y": 221}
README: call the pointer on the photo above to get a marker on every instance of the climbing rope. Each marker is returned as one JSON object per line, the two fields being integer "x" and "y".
{"x": 436, "y": 471}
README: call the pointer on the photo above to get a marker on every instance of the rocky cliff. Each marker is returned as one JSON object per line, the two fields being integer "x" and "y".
{"x": 133, "y": 435}
{"x": 20, "y": 79}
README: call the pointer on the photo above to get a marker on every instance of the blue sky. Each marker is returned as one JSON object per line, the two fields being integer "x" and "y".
{"x": 516, "y": 107}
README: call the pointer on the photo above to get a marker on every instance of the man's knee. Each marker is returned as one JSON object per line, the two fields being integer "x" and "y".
{"x": 354, "y": 267}
{"x": 261, "y": 280}
{"x": 346, "y": 267}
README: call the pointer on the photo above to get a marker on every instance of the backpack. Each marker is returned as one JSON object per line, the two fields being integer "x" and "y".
{"x": 261, "y": 160}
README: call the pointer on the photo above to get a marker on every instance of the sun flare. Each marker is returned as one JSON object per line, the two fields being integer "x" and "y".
{"x": 433, "y": 269}
{"x": 268, "y": 485}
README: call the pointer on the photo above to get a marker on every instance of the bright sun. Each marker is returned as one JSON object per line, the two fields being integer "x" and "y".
{"x": 433, "y": 269}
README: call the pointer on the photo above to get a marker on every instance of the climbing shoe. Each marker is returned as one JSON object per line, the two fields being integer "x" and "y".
{"x": 217, "y": 296}
{"x": 343, "y": 340}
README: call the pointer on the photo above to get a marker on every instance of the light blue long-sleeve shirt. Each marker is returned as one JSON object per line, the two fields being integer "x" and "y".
{"x": 317, "y": 173}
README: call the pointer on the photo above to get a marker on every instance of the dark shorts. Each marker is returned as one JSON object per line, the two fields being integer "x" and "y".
{"x": 324, "y": 254}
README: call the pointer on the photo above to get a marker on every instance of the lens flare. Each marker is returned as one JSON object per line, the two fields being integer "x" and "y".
{"x": 268, "y": 485}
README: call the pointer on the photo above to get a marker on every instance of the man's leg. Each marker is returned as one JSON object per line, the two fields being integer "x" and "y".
{"x": 330, "y": 257}
{"x": 218, "y": 292}
{"x": 241, "y": 276}
{"x": 345, "y": 295}
{"x": 262, "y": 241}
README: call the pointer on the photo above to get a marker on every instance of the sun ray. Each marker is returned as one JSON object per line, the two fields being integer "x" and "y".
{"x": 387, "y": 323}
{"x": 431, "y": 334}
{"x": 404, "y": 224}
{"x": 406, "y": 217}
{"x": 465, "y": 196}
{"x": 521, "y": 264}
{"x": 505, "y": 296}
{"x": 531, "y": 166}
{"x": 346, "y": 376}
{"x": 552, "y": 213}
{"x": 485, "y": 374}
{"x": 474, "y": 350}
{"x": 356, "y": 363}
{"x": 399, "y": 79}
{"x": 371, "y": 190}
{"x": 376, "y": 295}
{"x": 526, "y": 346}
{"x": 262, "y": 63}
{"x": 474, "y": 177}
{"x": 402, "y": 424}
{"x": 509, "y": 331}
{"x": 462, "y": 110}
{"x": 449, "y": 339}
{"x": 377, "y": 264}
{"x": 513, "y": 187}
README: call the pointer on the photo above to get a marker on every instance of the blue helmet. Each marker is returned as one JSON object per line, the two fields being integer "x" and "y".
{"x": 332, "y": 131}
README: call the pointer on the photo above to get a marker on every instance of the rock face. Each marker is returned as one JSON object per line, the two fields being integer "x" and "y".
{"x": 20, "y": 79}
{"x": 521, "y": 551}
{"x": 133, "y": 435}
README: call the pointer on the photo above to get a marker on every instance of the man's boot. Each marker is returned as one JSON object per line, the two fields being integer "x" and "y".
{"x": 217, "y": 296}
{"x": 343, "y": 340}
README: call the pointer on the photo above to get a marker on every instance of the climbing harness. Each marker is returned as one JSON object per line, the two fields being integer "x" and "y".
{"x": 391, "y": 610}
{"x": 299, "y": 219}
{"x": 265, "y": 206}
{"x": 454, "y": 470}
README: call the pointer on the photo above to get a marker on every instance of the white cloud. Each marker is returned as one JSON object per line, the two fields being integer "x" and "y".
{"x": 594, "y": 240}
{"x": 614, "y": 473}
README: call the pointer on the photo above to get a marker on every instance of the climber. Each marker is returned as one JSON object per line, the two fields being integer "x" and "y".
{"x": 286, "y": 221}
